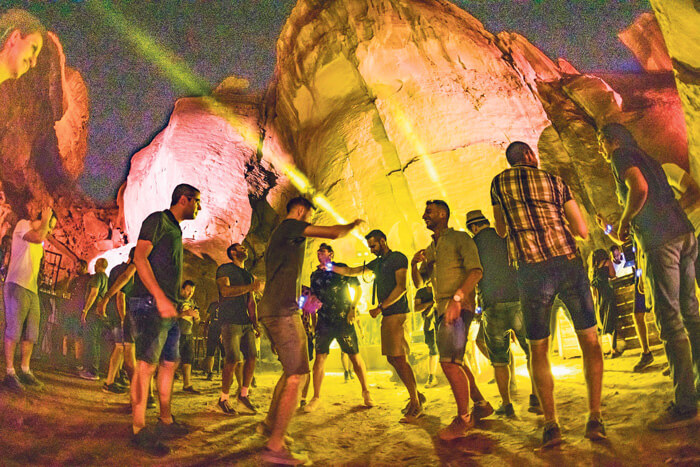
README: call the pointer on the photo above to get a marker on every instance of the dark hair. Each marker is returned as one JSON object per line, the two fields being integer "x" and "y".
{"x": 82, "y": 263}
{"x": 599, "y": 255}
{"x": 617, "y": 133}
{"x": 479, "y": 223}
{"x": 441, "y": 204}
{"x": 325, "y": 246}
{"x": 25, "y": 22}
{"x": 615, "y": 247}
{"x": 375, "y": 234}
{"x": 230, "y": 249}
{"x": 299, "y": 201}
{"x": 188, "y": 282}
{"x": 53, "y": 216}
{"x": 515, "y": 153}
{"x": 131, "y": 253}
{"x": 183, "y": 189}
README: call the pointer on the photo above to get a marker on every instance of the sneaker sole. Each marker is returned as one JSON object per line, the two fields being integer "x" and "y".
{"x": 552, "y": 443}
{"x": 595, "y": 436}
{"x": 679, "y": 424}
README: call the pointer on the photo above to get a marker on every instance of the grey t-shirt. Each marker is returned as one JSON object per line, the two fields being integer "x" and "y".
{"x": 283, "y": 261}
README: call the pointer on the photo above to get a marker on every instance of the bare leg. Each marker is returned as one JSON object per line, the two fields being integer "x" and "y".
{"x": 239, "y": 374}
{"x": 139, "y": 393}
{"x": 288, "y": 401}
{"x": 359, "y": 364}
{"x": 274, "y": 402}
{"x": 209, "y": 364}
{"x": 79, "y": 350}
{"x": 10, "y": 347}
{"x": 319, "y": 373}
{"x": 186, "y": 375}
{"x": 503, "y": 381}
{"x": 248, "y": 371}
{"x": 405, "y": 372}
{"x": 474, "y": 391}
{"x": 27, "y": 347}
{"x": 641, "y": 325}
{"x": 345, "y": 361}
{"x": 227, "y": 377}
{"x": 166, "y": 371}
{"x": 542, "y": 375}
{"x": 130, "y": 359}
{"x": 460, "y": 385}
{"x": 593, "y": 367}
{"x": 115, "y": 361}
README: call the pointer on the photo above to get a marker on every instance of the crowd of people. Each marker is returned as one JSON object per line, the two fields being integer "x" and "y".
{"x": 517, "y": 268}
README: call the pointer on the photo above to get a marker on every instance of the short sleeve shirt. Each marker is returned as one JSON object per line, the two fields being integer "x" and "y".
{"x": 532, "y": 202}
{"x": 100, "y": 282}
{"x": 25, "y": 259}
{"x": 447, "y": 263}
{"x": 333, "y": 290}
{"x": 186, "y": 323}
{"x": 234, "y": 310}
{"x": 78, "y": 290}
{"x": 425, "y": 295}
{"x": 126, "y": 290}
{"x": 499, "y": 283}
{"x": 163, "y": 231}
{"x": 283, "y": 263}
{"x": 661, "y": 219}
{"x": 384, "y": 269}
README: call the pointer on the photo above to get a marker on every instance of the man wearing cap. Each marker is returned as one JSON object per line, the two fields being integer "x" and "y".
{"x": 451, "y": 263}
{"x": 537, "y": 212}
{"x": 335, "y": 322}
{"x": 500, "y": 301}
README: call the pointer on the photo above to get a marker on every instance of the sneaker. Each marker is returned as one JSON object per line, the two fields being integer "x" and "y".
{"x": 210, "y": 376}
{"x": 351, "y": 374}
{"x": 171, "y": 430}
{"x": 505, "y": 410}
{"x": 413, "y": 414}
{"x": 644, "y": 361}
{"x": 12, "y": 383}
{"x": 90, "y": 376}
{"x": 667, "y": 371}
{"x": 191, "y": 390}
{"x": 247, "y": 404}
{"x": 367, "y": 397}
{"x": 673, "y": 417}
{"x": 551, "y": 435}
{"x": 28, "y": 379}
{"x": 283, "y": 457}
{"x": 263, "y": 429}
{"x": 459, "y": 428}
{"x": 226, "y": 407}
{"x": 302, "y": 404}
{"x": 595, "y": 429}
{"x": 253, "y": 384}
{"x": 113, "y": 388}
{"x": 347, "y": 376}
{"x": 482, "y": 409}
{"x": 146, "y": 440}
{"x": 535, "y": 405}
{"x": 421, "y": 399}
{"x": 151, "y": 402}
{"x": 122, "y": 381}
{"x": 312, "y": 405}
{"x": 432, "y": 382}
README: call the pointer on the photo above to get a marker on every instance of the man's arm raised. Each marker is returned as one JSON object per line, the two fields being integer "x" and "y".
{"x": 228, "y": 290}
{"x": 331, "y": 231}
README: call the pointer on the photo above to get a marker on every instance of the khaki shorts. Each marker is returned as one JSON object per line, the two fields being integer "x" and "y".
{"x": 288, "y": 339}
{"x": 395, "y": 335}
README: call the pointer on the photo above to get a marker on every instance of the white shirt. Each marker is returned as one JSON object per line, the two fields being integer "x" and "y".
{"x": 675, "y": 175}
{"x": 26, "y": 258}
{"x": 621, "y": 269}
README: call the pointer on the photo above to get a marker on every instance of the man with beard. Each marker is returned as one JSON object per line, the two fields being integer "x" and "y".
{"x": 451, "y": 263}
{"x": 335, "y": 322}
{"x": 239, "y": 325}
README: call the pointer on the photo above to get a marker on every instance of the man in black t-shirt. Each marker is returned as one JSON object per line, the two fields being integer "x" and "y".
{"x": 279, "y": 314}
{"x": 153, "y": 305}
{"x": 390, "y": 269}
{"x": 93, "y": 323}
{"x": 213, "y": 339}
{"x": 239, "y": 325}
{"x": 339, "y": 296}
{"x": 186, "y": 323}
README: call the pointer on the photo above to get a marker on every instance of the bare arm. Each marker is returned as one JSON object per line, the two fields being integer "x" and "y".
{"x": 92, "y": 295}
{"x": 331, "y": 231}
{"x": 399, "y": 290}
{"x": 228, "y": 290}
{"x": 116, "y": 288}
{"x": 499, "y": 221}
{"x": 691, "y": 195}
{"x": 348, "y": 271}
{"x": 416, "y": 275}
{"x": 573, "y": 216}
{"x": 637, "y": 190}
{"x": 166, "y": 308}
{"x": 121, "y": 305}
{"x": 420, "y": 307}
{"x": 611, "y": 268}
{"x": 39, "y": 235}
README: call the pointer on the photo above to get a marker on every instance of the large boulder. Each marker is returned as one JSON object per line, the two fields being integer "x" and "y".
{"x": 645, "y": 40}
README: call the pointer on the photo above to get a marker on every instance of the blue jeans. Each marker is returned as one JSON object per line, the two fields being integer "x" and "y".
{"x": 156, "y": 339}
{"x": 670, "y": 270}
{"x": 498, "y": 320}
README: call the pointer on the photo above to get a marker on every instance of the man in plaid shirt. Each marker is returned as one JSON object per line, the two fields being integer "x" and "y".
{"x": 540, "y": 217}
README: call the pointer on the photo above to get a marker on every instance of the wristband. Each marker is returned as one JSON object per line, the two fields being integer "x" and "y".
{"x": 608, "y": 229}
{"x": 329, "y": 266}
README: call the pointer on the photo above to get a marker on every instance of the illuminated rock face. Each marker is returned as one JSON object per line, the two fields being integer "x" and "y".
{"x": 211, "y": 146}
{"x": 679, "y": 20}
{"x": 644, "y": 39}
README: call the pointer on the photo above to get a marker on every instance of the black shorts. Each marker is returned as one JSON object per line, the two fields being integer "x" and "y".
{"x": 214, "y": 340}
{"x": 431, "y": 342}
{"x": 343, "y": 332}
{"x": 155, "y": 338}
{"x": 186, "y": 349}
{"x": 128, "y": 328}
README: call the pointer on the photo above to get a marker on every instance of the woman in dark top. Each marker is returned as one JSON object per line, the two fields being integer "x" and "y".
{"x": 604, "y": 295}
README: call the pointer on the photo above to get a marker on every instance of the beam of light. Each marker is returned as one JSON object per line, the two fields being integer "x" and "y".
{"x": 177, "y": 71}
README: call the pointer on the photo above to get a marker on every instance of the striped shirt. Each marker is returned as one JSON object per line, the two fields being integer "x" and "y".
{"x": 532, "y": 202}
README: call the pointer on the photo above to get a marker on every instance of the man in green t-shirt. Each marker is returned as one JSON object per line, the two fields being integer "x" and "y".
{"x": 93, "y": 323}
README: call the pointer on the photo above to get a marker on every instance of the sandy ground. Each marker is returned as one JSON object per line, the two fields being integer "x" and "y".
{"x": 72, "y": 422}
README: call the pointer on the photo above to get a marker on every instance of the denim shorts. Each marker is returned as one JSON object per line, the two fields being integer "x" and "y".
{"x": 289, "y": 341}
{"x": 431, "y": 342}
{"x": 342, "y": 332}
{"x": 156, "y": 339}
{"x": 540, "y": 283}
{"x": 239, "y": 342}
{"x": 22, "y": 313}
{"x": 452, "y": 338}
{"x": 497, "y": 322}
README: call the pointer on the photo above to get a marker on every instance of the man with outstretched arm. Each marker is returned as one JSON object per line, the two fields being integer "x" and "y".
{"x": 390, "y": 269}
{"x": 540, "y": 217}
{"x": 156, "y": 294}
{"x": 280, "y": 316}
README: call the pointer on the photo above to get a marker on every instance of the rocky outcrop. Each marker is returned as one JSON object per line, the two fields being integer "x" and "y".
{"x": 644, "y": 39}
{"x": 212, "y": 144}
{"x": 679, "y": 20}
